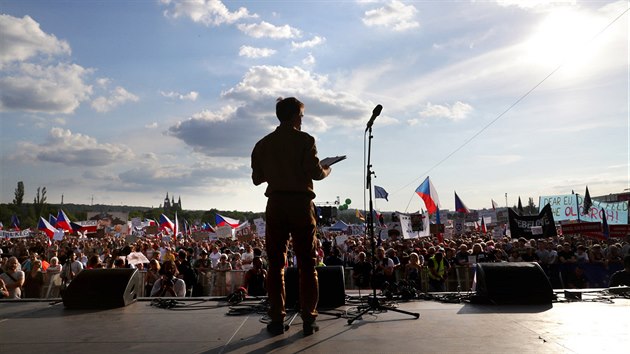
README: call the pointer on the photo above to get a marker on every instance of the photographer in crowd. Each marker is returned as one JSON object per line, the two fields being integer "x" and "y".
{"x": 169, "y": 285}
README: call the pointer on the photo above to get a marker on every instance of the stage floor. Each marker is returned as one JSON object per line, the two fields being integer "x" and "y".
{"x": 597, "y": 324}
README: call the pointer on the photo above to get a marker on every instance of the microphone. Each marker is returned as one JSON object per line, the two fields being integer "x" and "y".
{"x": 375, "y": 113}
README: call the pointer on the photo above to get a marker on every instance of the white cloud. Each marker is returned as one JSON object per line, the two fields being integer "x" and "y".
{"x": 151, "y": 125}
{"x": 309, "y": 61}
{"x": 66, "y": 148}
{"x": 317, "y": 40}
{"x": 207, "y": 12}
{"x": 253, "y": 52}
{"x": 536, "y": 4}
{"x": 23, "y": 39}
{"x": 455, "y": 112}
{"x": 394, "y": 15}
{"x": 117, "y": 97}
{"x": 267, "y": 30}
{"x": 49, "y": 89}
{"x": 233, "y": 129}
{"x": 190, "y": 96}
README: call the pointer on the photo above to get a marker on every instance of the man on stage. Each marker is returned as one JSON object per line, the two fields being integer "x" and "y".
{"x": 287, "y": 160}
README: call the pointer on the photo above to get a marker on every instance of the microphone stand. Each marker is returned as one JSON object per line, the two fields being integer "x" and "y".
{"x": 373, "y": 304}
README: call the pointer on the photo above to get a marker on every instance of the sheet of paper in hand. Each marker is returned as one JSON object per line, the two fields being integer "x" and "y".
{"x": 329, "y": 161}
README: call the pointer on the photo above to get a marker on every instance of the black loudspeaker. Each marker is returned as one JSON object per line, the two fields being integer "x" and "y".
{"x": 512, "y": 283}
{"x": 332, "y": 287}
{"x": 102, "y": 288}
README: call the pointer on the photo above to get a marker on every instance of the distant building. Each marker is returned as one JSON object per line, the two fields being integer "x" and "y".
{"x": 170, "y": 206}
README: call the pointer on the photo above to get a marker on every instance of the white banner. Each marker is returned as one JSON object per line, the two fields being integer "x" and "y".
{"x": 260, "y": 227}
{"x": 566, "y": 207}
{"x": 14, "y": 234}
{"x": 224, "y": 231}
{"x": 408, "y": 228}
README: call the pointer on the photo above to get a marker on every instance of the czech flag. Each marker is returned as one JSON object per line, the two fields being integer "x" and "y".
{"x": 427, "y": 192}
{"x": 483, "y": 225}
{"x": 224, "y": 220}
{"x": 494, "y": 204}
{"x": 52, "y": 219}
{"x": 45, "y": 226}
{"x": 166, "y": 223}
{"x": 63, "y": 222}
{"x": 460, "y": 207}
{"x": 15, "y": 222}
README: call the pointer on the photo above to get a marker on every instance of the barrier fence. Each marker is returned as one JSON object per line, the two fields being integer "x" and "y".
{"x": 216, "y": 283}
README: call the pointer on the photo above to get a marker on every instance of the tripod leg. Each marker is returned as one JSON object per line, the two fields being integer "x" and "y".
{"x": 359, "y": 315}
{"x": 288, "y": 323}
{"x": 416, "y": 315}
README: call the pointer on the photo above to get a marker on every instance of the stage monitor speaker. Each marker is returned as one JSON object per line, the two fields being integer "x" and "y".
{"x": 512, "y": 283}
{"x": 102, "y": 288}
{"x": 332, "y": 287}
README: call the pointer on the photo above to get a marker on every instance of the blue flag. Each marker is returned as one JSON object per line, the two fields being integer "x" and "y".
{"x": 379, "y": 192}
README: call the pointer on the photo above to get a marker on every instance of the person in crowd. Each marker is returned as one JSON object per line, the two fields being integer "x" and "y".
{"x": 577, "y": 279}
{"x": 529, "y": 255}
{"x": 28, "y": 263}
{"x": 13, "y": 278}
{"x": 287, "y": 161}
{"x": 621, "y": 277}
{"x": 152, "y": 275}
{"x": 438, "y": 268}
{"x": 215, "y": 256}
{"x": 334, "y": 258}
{"x": 581, "y": 255}
{"x": 413, "y": 269}
{"x": 361, "y": 272}
{"x": 247, "y": 258}
{"x": 202, "y": 267}
{"x": 4, "y": 292}
{"x": 236, "y": 262}
{"x": 461, "y": 257}
{"x": 186, "y": 271}
{"x": 256, "y": 279}
{"x": 119, "y": 262}
{"x": 34, "y": 281}
{"x": 384, "y": 270}
{"x": 169, "y": 285}
{"x": 220, "y": 277}
{"x": 478, "y": 253}
{"x": 94, "y": 262}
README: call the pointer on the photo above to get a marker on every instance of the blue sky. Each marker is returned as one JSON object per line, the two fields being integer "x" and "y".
{"x": 123, "y": 101}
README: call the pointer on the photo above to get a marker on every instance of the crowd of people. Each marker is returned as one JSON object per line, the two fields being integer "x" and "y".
{"x": 177, "y": 267}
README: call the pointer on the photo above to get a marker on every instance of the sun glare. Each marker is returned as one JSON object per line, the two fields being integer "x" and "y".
{"x": 562, "y": 38}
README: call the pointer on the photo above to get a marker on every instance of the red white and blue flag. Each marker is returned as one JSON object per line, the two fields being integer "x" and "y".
{"x": 15, "y": 222}
{"x": 166, "y": 223}
{"x": 224, "y": 220}
{"x": 63, "y": 222}
{"x": 460, "y": 207}
{"x": 52, "y": 219}
{"x": 427, "y": 192}
{"x": 44, "y": 225}
{"x": 494, "y": 204}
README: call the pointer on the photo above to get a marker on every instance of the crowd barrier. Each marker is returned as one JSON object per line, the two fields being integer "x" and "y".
{"x": 215, "y": 283}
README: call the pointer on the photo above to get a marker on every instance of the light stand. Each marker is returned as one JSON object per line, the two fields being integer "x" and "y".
{"x": 373, "y": 303}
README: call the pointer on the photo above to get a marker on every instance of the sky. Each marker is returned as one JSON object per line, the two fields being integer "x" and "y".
{"x": 120, "y": 102}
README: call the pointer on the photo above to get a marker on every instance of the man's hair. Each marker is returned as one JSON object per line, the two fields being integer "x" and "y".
{"x": 287, "y": 108}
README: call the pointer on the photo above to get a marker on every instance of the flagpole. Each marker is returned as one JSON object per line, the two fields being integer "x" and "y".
{"x": 577, "y": 210}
